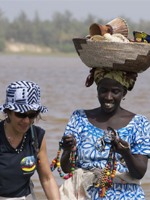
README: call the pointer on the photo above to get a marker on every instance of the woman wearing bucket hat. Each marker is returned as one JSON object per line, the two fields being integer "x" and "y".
{"x": 23, "y": 145}
{"x": 112, "y": 144}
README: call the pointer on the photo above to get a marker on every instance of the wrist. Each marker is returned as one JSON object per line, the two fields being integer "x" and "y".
{"x": 126, "y": 153}
{"x": 67, "y": 151}
{"x": 127, "y": 146}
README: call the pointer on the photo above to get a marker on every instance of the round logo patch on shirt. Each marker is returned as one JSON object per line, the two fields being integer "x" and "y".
{"x": 28, "y": 164}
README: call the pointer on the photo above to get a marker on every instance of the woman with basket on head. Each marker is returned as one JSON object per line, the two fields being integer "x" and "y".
{"x": 112, "y": 145}
{"x": 23, "y": 145}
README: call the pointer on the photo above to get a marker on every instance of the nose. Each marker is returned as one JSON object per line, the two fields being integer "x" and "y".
{"x": 26, "y": 120}
{"x": 109, "y": 96}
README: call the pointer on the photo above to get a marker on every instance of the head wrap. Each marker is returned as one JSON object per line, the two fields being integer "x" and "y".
{"x": 126, "y": 79}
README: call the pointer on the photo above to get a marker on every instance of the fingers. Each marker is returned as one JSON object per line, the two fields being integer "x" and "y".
{"x": 115, "y": 136}
{"x": 69, "y": 142}
{"x": 120, "y": 145}
{"x": 69, "y": 139}
{"x": 124, "y": 144}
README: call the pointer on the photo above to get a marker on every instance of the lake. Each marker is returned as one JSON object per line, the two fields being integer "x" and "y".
{"x": 62, "y": 83}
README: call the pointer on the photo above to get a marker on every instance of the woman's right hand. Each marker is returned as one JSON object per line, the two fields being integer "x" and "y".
{"x": 69, "y": 142}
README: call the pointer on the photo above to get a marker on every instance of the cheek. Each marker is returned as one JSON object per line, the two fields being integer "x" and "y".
{"x": 118, "y": 100}
{"x": 15, "y": 121}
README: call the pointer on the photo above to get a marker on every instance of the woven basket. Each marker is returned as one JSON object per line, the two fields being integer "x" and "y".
{"x": 133, "y": 57}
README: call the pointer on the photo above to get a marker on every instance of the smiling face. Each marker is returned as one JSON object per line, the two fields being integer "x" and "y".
{"x": 110, "y": 93}
{"x": 18, "y": 124}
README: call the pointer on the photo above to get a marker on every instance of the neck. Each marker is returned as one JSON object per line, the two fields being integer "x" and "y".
{"x": 13, "y": 137}
{"x": 108, "y": 115}
{"x": 11, "y": 130}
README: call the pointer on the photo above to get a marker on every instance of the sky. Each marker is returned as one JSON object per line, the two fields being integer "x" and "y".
{"x": 80, "y": 9}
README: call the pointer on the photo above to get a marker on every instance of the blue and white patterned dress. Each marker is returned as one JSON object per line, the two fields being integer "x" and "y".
{"x": 136, "y": 133}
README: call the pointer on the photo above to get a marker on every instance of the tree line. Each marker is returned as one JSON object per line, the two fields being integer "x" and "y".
{"x": 56, "y": 33}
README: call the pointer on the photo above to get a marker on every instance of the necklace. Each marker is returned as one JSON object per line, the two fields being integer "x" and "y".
{"x": 22, "y": 145}
{"x": 56, "y": 163}
{"x": 11, "y": 143}
{"x": 105, "y": 180}
{"x": 107, "y": 138}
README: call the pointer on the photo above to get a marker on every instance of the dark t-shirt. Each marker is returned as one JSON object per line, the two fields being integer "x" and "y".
{"x": 17, "y": 168}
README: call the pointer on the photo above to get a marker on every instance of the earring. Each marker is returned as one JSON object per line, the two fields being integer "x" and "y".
{"x": 123, "y": 98}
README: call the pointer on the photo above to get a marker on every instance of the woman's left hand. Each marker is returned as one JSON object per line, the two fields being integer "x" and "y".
{"x": 120, "y": 145}
{"x": 136, "y": 163}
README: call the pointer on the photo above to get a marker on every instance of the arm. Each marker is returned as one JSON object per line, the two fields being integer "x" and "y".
{"x": 137, "y": 164}
{"x": 45, "y": 175}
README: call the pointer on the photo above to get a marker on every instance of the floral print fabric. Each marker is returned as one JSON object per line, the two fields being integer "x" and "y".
{"x": 136, "y": 133}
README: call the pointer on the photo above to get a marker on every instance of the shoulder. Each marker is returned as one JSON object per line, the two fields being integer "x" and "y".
{"x": 133, "y": 116}
{"x": 92, "y": 112}
{"x": 140, "y": 119}
{"x": 1, "y": 124}
{"x": 78, "y": 113}
{"x": 40, "y": 132}
{"x": 76, "y": 118}
{"x": 126, "y": 113}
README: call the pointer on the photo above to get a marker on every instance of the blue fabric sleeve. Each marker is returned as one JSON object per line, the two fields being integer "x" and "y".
{"x": 72, "y": 127}
{"x": 140, "y": 143}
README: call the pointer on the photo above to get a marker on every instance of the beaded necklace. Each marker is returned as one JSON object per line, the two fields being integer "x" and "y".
{"x": 56, "y": 163}
{"x": 105, "y": 180}
{"x": 22, "y": 145}
{"x": 11, "y": 143}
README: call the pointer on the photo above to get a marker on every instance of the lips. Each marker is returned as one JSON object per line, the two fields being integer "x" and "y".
{"x": 109, "y": 105}
{"x": 24, "y": 127}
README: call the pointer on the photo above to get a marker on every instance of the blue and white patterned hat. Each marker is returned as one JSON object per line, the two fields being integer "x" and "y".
{"x": 22, "y": 96}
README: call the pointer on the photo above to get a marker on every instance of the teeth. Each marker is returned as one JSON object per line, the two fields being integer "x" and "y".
{"x": 109, "y": 105}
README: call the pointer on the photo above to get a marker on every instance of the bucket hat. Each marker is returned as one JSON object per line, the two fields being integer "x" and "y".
{"x": 22, "y": 96}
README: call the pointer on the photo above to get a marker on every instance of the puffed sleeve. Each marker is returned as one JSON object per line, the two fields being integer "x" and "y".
{"x": 140, "y": 142}
{"x": 74, "y": 125}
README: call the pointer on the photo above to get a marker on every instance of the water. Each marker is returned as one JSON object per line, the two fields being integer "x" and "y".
{"x": 62, "y": 80}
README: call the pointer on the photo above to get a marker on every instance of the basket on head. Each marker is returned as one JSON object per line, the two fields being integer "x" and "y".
{"x": 133, "y": 56}
{"x": 117, "y": 25}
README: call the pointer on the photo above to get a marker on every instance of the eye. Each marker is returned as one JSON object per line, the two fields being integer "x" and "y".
{"x": 102, "y": 90}
{"x": 116, "y": 91}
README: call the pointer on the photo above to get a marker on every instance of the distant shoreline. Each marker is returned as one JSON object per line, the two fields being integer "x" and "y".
{"x": 17, "y": 48}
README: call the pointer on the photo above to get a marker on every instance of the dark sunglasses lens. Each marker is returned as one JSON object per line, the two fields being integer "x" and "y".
{"x": 20, "y": 115}
{"x": 24, "y": 115}
{"x": 32, "y": 115}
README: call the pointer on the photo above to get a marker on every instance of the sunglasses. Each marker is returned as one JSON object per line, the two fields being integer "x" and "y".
{"x": 24, "y": 115}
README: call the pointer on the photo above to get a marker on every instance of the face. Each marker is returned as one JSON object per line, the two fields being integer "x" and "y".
{"x": 21, "y": 122}
{"x": 110, "y": 93}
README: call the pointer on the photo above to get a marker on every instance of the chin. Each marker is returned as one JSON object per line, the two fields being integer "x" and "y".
{"x": 108, "y": 110}
{"x": 23, "y": 129}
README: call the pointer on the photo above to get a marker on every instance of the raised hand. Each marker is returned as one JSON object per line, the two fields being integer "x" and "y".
{"x": 69, "y": 142}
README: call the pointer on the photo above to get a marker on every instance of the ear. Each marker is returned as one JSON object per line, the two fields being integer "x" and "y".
{"x": 7, "y": 111}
